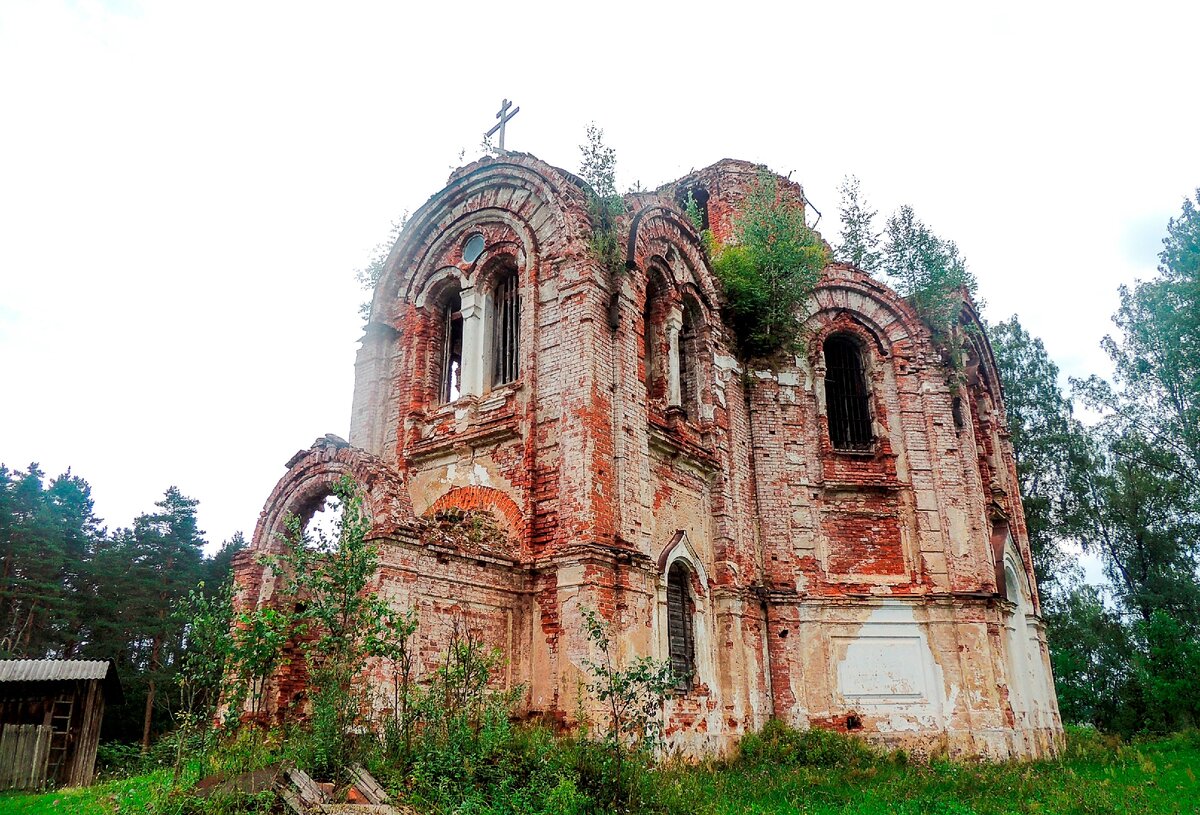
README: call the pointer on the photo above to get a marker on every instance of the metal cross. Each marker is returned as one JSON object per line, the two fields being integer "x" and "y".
{"x": 503, "y": 115}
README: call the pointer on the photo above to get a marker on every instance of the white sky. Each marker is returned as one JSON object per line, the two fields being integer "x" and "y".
{"x": 187, "y": 188}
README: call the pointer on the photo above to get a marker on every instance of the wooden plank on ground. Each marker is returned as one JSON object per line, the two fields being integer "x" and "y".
{"x": 292, "y": 799}
{"x": 366, "y": 784}
{"x": 309, "y": 793}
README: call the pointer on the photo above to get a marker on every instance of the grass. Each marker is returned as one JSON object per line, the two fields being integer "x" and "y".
{"x": 124, "y": 795}
{"x": 1093, "y": 777}
{"x": 785, "y": 771}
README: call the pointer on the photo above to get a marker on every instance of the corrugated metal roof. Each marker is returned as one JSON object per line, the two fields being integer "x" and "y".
{"x": 61, "y": 670}
{"x": 64, "y": 670}
{"x": 52, "y": 670}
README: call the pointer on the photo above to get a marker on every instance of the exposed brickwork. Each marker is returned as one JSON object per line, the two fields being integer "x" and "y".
{"x": 856, "y": 589}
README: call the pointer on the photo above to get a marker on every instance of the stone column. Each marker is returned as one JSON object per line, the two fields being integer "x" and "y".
{"x": 674, "y": 386}
{"x": 475, "y": 353}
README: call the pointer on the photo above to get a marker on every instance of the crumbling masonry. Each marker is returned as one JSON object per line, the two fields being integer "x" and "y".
{"x": 836, "y": 541}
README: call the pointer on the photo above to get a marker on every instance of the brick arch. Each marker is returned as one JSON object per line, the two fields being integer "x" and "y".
{"x": 655, "y": 230}
{"x": 848, "y": 324}
{"x": 848, "y": 300}
{"x": 986, "y": 372}
{"x": 542, "y": 204}
{"x": 680, "y": 549}
{"x": 495, "y": 263}
{"x": 486, "y": 498}
{"x": 436, "y": 284}
{"x": 310, "y": 478}
{"x": 509, "y": 239}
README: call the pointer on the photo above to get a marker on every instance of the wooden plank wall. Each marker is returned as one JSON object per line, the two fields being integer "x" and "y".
{"x": 87, "y": 736}
{"x": 24, "y": 754}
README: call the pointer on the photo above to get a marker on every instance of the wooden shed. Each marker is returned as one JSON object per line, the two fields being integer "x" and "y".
{"x": 50, "y": 714}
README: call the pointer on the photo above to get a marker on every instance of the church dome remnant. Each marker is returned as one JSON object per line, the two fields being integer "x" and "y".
{"x": 835, "y": 541}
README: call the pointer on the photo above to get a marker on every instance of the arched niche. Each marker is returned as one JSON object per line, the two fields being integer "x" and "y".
{"x": 310, "y": 479}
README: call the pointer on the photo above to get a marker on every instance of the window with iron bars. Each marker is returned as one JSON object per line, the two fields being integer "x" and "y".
{"x": 847, "y": 404}
{"x": 681, "y": 640}
{"x": 506, "y": 330}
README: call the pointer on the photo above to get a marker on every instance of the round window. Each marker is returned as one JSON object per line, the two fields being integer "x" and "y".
{"x": 473, "y": 248}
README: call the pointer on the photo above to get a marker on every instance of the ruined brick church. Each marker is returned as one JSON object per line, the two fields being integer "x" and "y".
{"x": 836, "y": 540}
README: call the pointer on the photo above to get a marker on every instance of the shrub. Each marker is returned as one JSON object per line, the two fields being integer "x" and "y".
{"x": 781, "y": 745}
{"x": 340, "y": 623}
{"x": 115, "y": 759}
{"x": 605, "y": 205}
{"x": 769, "y": 272}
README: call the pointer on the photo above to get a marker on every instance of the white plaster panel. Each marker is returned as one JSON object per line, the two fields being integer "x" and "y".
{"x": 881, "y": 668}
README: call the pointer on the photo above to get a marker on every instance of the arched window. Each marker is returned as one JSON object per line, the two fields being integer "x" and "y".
{"x": 1018, "y": 641}
{"x": 681, "y": 642}
{"x": 654, "y": 339}
{"x": 688, "y": 349}
{"x": 699, "y": 197}
{"x": 846, "y": 403}
{"x": 322, "y": 528}
{"x": 451, "y": 352}
{"x": 506, "y": 329}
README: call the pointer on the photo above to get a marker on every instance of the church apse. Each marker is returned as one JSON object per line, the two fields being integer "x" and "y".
{"x": 813, "y": 540}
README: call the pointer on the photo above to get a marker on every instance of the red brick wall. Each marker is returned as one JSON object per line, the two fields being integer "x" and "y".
{"x": 593, "y": 475}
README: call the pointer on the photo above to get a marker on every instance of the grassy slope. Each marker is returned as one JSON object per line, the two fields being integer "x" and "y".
{"x": 126, "y": 795}
{"x": 1150, "y": 778}
{"x": 1094, "y": 777}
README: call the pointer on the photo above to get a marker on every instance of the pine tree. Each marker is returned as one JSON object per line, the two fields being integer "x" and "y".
{"x": 160, "y": 560}
{"x": 46, "y": 535}
{"x": 926, "y": 270}
{"x": 860, "y": 241}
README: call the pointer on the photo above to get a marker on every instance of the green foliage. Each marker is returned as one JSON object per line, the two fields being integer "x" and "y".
{"x": 1168, "y": 673}
{"x": 206, "y": 621}
{"x": 1156, "y": 358}
{"x": 368, "y": 276}
{"x": 458, "y": 718}
{"x": 860, "y": 244}
{"x": 926, "y": 270}
{"x": 1126, "y": 489}
{"x": 47, "y": 535}
{"x": 691, "y": 208}
{"x": 256, "y": 645}
{"x": 769, "y": 271}
{"x": 1052, "y": 450}
{"x": 70, "y": 589}
{"x": 1091, "y": 653}
{"x": 134, "y": 795}
{"x": 1142, "y": 524}
{"x": 634, "y": 697}
{"x": 1095, "y": 777}
{"x": 531, "y": 771}
{"x": 1144, "y": 490}
{"x": 599, "y": 163}
{"x": 778, "y": 745}
{"x": 605, "y": 206}
{"x": 634, "y": 694}
{"x": 463, "y": 753}
{"x": 397, "y": 651}
{"x": 116, "y": 759}
{"x": 338, "y": 620}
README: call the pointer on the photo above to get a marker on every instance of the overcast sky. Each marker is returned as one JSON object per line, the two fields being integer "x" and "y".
{"x": 186, "y": 189}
